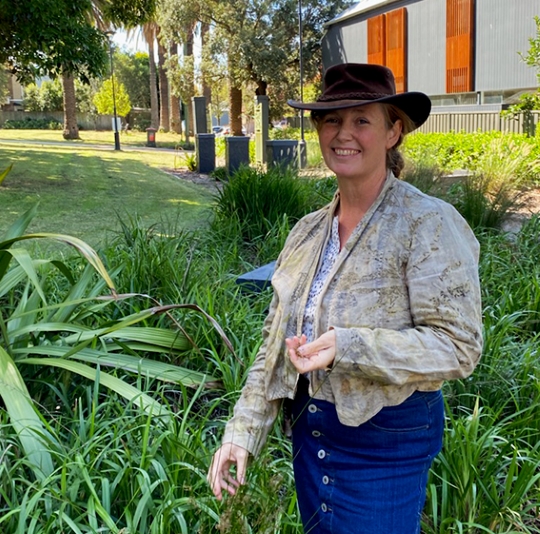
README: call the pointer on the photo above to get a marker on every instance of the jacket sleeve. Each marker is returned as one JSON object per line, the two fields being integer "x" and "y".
{"x": 445, "y": 340}
{"x": 254, "y": 415}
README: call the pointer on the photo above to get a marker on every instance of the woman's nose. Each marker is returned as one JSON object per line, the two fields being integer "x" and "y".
{"x": 345, "y": 130}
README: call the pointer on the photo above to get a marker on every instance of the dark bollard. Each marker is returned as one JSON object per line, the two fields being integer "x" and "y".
{"x": 282, "y": 152}
{"x": 237, "y": 152}
{"x": 205, "y": 150}
{"x": 151, "y": 137}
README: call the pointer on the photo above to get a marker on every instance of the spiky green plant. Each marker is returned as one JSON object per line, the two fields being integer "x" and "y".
{"x": 68, "y": 333}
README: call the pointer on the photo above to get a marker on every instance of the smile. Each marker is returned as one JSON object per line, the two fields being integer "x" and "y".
{"x": 346, "y": 152}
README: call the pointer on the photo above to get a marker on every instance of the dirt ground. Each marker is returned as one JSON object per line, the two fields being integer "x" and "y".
{"x": 529, "y": 205}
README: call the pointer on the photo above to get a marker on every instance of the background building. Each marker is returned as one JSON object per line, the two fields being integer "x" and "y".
{"x": 459, "y": 52}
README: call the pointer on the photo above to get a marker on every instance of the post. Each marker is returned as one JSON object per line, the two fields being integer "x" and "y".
{"x": 199, "y": 111}
{"x": 302, "y": 155}
{"x": 261, "y": 128}
{"x": 205, "y": 152}
{"x": 116, "y": 132}
{"x": 236, "y": 152}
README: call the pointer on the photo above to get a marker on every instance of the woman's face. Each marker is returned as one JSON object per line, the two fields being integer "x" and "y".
{"x": 354, "y": 141}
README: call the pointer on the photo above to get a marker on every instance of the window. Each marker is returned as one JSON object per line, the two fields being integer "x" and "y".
{"x": 459, "y": 45}
{"x": 387, "y": 44}
{"x": 377, "y": 40}
{"x": 396, "y": 43}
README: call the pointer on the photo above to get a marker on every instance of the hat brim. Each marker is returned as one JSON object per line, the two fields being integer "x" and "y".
{"x": 415, "y": 104}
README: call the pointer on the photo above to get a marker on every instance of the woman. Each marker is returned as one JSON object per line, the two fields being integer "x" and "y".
{"x": 376, "y": 303}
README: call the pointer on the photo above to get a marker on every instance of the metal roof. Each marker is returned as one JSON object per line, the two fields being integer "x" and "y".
{"x": 360, "y": 7}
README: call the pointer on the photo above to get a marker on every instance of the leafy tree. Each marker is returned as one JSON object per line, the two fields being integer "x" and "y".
{"x": 62, "y": 38}
{"x": 47, "y": 97}
{"x": 257, "y": 41}
{"x": 133, "y": 71}
{"x": 104, "y": 100}
{"x": 84, "y": 95}
{"x": 50, "y": 37}
{"x": 528, "y": 102}
{"x": 4, "y": 85}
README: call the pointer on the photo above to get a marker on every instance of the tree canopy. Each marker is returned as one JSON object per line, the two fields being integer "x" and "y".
{"x": 105, "y": 99}
{"x": 50, "y": 37}
{"x": 257, "y": 40}
{"x": 54, "y": 37}
{"x": 133, "y": 71}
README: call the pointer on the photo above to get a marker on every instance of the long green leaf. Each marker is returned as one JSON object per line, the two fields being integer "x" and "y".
{"x": 19, "y": 226}
{"x": 13, "y": 232}
{"x": 132, "y": 394}
{"x": 23, "y": 416}
{"x": 4, "y": 173}
{"x": 152, "y": 335}
{"x": 84, "y": 249}
{"x": 144, "y": 366}
{"x": 27, "y": 265}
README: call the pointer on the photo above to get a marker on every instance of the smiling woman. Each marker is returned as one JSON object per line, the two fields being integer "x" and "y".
{"x": 376, "y": 303}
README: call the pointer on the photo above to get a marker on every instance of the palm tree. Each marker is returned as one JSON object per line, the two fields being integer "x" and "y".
{"x": 149, "y": 31}
{"x": 71, "y": 128}
{"x": 175, "y": 119}
{"x": 163, "y": 86}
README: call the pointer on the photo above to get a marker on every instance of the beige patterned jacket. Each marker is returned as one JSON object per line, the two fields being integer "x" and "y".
{"x": 403, "y": 298}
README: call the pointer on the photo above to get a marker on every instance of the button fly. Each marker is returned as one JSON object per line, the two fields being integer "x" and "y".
{"x": 312, "y": 408}
{"x": 324, "y": 508}
{"x": 316, "y": 434}
{"x": 321, "y": 454}
{"x": 325, "y": 480}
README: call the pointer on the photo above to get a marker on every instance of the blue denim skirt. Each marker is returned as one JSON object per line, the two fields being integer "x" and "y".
{"x": 369, "y": 479}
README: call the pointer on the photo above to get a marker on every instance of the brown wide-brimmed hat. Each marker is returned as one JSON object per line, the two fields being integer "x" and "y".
{"x": 354, "y": 84}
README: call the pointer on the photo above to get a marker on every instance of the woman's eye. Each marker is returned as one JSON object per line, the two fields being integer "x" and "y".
{"x": 331, "y": 120}
{"x": 361, "y": 120}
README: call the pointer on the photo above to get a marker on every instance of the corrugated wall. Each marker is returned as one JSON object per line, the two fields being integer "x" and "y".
{"x": 427, "y": 46}
{"x": 503, "y": 29}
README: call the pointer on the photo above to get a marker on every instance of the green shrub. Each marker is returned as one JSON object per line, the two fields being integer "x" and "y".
{"x": 478, "y": 152}
{"x": 32, "y": 124}
{"x": 255, "y": 201}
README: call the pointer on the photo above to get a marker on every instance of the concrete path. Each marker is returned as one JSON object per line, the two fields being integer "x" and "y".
{"x": 76, "y": 145}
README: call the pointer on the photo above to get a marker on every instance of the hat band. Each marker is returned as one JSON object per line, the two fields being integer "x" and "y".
{"x": 352, "y": 96}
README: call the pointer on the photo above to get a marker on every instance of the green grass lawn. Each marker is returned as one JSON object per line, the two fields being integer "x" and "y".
{"x": 83, "y": 192}
{"x": 163, "y": 139}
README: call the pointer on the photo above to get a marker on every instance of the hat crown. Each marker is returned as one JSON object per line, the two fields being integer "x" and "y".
{"x": 357, "y": 81}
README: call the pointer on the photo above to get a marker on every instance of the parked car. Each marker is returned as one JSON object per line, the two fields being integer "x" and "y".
{"x": 217, "y": 129}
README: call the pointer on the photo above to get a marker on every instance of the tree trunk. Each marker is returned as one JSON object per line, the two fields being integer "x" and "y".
{"x": 175, "y": 119}
{"x": 164, "y": 119}
{"x": 190, "y": 122}
{"x": 71, "y": 130}
{"x": 261, "y": 88}
{"x": 206, "y": 91}
{"x": 235, "y": 103}
{"x": 154, "y": 103}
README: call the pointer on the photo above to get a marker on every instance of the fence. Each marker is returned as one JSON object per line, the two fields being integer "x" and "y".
{"x": 85, "y": 121}
{"x": 471, "y": 122}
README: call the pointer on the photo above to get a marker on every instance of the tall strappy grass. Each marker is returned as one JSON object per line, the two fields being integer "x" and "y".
{"x": 115, "y": 467}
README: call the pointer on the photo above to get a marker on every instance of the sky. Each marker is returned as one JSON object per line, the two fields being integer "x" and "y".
{"x": 135, "y": 42}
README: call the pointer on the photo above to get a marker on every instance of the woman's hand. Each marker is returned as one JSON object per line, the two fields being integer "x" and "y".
{"x": 318, "y": 354}
{"x": 221, "y": 476}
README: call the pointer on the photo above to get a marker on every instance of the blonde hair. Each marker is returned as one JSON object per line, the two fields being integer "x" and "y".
{"x": 394, "y": 158}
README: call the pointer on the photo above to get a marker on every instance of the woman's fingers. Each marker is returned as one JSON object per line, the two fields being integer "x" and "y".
{"x": 318, "y": 354}
{"x": 221, "y": 476}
